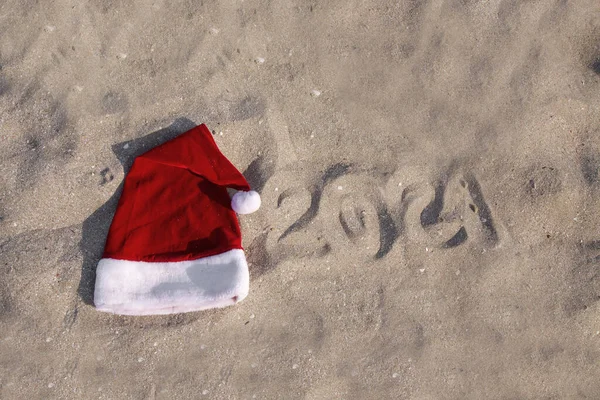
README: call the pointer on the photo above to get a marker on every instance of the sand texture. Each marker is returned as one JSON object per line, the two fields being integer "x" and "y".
{"x": 430, "y": 177}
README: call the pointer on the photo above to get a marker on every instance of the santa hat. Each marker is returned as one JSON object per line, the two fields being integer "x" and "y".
{"x": 174, "y": 244}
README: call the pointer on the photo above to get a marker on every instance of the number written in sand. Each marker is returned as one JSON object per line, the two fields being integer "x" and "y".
{"x": 365, "y": 213}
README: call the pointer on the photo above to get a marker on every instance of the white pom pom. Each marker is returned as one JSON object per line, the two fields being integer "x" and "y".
{"x": 245, "y": 202}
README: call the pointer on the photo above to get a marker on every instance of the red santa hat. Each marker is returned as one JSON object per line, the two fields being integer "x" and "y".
{"x": 174, "y": 244}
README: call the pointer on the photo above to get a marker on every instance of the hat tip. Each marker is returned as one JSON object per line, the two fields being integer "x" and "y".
{"x": 245, "y": 202}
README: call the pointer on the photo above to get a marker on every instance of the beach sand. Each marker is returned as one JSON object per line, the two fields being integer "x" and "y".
{"x": 430, "y": 176}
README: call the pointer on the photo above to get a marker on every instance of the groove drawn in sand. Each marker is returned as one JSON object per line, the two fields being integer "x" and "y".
{"x": 431, "y": 214}
{"x": 481, "y": 208}
{"x": 388, "y": 232}
{"x": 459, "y": 238}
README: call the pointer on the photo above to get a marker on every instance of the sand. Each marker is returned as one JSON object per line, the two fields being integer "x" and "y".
{"x": 430, "y": 175}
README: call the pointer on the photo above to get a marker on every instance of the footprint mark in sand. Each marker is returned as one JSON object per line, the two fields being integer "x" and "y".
{"x": 595, "y": 65}
{"x": 4, "y": 86}
{"x": 107, "y": 176}
{"x": 51, "y": 140}
{"x": 247, "y": 108}
{"x": 590, "y": 167}
{"x": 114, "y": 102}
{"x": 584, "y": 282}
{"x": 542, "y": 181}
{"x": 70, "y": 318}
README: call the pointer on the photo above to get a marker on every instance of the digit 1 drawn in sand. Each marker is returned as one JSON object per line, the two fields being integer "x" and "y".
{"x": 481, "y": 208}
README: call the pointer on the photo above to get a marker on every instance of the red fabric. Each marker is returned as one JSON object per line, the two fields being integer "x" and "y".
{"x": 174, "y": 205}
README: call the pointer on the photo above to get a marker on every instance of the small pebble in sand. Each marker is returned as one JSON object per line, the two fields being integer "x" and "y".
{"x": 48, "y": 339}
{"x": 340, "y": 187}
{"x": 141, "y": 359}
{"x": 259, "y": 60}
{"x": 121, "y": 56}
{"x": 315, "y": 93}
{"x": 205, "y": 392}
{"x": 50, "y": 28}
{"x": 213, "y": 31}
{"x": 295, "y": 366}
{"x": 155, "y": 344}
{"x": 252, "y": 316}
{"x": 394, "y": 375}
{"x": 51, "y": 385}
{"x": 422, "y": 270}
{"x": 126, "y": 146}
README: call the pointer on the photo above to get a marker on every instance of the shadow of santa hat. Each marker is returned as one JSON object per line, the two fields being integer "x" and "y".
{"x": 175, "y": 244}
